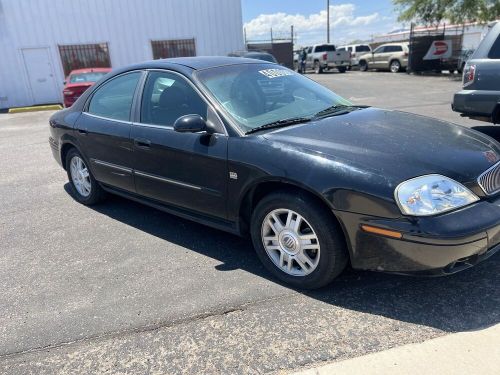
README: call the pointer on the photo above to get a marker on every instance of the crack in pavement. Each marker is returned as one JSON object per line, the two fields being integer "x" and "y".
{"x": 150, "y": 328}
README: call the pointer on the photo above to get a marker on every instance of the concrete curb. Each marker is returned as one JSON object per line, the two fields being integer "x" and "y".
{"x": 51, "y": 107}
{"x": 475, "y": 352}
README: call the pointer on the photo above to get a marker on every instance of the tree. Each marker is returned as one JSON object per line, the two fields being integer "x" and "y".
{"x": 432, "y": 12}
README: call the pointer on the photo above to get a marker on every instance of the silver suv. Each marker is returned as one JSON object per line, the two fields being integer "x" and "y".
{"x": 480, "y": 97}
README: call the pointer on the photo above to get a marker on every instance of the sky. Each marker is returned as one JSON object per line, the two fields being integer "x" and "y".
{"x": 349, "y": 19}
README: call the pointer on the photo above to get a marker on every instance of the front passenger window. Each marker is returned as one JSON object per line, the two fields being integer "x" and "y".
{"x": 167, "y": 97}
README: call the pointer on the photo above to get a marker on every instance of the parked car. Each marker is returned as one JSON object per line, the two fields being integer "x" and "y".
{"x": 316, "y": 181}
{"x": 391, "y": 56}
{"x": 322, "y": 57}
{"x": 480, "y": 96}
{"x": 462, "y": 60}
{"x": 80, "y": 80}
{"x": 259, "y": 55}
{"x": 356, "y": 51}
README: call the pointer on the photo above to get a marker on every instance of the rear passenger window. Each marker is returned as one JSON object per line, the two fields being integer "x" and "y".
{"x": 167, "y": 97}
{"x": 495, "y": 49}
{"x": 362, "y": 48}
{"x": 113, "y": 99}
{"x": 394, "y": 49}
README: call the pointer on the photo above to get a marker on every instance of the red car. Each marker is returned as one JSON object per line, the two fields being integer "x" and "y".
{"x": 80, "y": 80}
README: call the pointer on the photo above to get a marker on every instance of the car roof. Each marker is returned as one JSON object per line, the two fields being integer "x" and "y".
{"x": 90, "y": 70}
{"x": 395, "y": 44}
{"x": 188, "y": 65}
{"x": 201, "y": 62}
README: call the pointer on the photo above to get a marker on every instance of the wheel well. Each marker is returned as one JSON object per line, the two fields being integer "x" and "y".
{"x": 64, "y": 151}
{"x": 362, "y": 61}
{"x": 390, "y": 62}
{"x": 255, "y": 195}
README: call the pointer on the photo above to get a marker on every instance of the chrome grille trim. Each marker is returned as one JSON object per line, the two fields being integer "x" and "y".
{"x": 489, "y": 180}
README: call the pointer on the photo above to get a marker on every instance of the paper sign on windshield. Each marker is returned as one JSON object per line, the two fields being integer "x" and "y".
{"x": 274, "y": 73}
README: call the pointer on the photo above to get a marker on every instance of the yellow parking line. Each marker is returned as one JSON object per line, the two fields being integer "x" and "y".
{"x": 52, "y": 107}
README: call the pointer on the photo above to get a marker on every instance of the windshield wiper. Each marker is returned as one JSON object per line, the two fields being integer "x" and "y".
{"x": 280, "y": 124}
{"x": 338, "y": 109}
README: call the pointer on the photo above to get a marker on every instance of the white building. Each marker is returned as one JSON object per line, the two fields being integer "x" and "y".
{"x": 41, "y": 40}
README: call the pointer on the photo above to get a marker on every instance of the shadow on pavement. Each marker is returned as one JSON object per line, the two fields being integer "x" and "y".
{"x": 465, "y": 301}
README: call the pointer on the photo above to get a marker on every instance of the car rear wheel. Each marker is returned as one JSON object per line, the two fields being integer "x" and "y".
{"x": 317, "y": 68}
{"x": 363, "y": 66}
{"x": 84, "y": 187}
{"x": 298, "y": 240}
{"x": 395, "y": 66}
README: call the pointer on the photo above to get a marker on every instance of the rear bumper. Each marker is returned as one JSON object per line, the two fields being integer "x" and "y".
{"x": 475, "y": 102}
{"x": 436, "y": 245}
{"x": 56, "y": 152}
{"x": 332, "y": 65}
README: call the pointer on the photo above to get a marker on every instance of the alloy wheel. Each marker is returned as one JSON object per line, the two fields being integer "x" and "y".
{"x": 290, "y": 241}
{"x": 395, "y": 66}
{"x": 80, "y": 176}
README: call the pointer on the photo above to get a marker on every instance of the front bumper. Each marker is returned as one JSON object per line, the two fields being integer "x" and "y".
{"x": 475, "y": 102}
{"x": 437, "y": 245}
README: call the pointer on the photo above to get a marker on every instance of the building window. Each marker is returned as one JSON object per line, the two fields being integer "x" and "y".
{"x": 84, "y": 56}
{"x": 163, "y": 49}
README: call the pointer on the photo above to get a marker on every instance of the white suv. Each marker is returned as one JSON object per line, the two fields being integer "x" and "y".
{"x": 356, "y": 50}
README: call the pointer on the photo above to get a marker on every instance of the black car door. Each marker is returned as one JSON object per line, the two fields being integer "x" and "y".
{"x": 187, "y": 170}
{"x": 104, "y": 131}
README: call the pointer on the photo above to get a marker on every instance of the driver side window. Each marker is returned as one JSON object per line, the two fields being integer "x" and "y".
{"x": 167, "y": 97}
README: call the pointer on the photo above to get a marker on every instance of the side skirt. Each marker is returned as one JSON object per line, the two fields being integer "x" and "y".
{"x": 216, "y": 223}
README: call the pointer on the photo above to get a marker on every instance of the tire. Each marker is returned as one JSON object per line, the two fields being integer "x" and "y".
{"x": 395, "y": 66}
{"x": 342, "y": 69}
{"x": 85, "y": 189}
{"x": 363, "y": 66}
{"x": 327, "y": 255}
{"x": 317, "y": 68}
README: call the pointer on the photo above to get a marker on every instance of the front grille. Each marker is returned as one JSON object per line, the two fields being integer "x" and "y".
{"x": 490, "y": 180}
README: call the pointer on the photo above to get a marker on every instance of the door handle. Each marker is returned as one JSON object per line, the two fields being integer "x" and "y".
{"x": 142, "y": 143}
{"x": 83, "y": 131}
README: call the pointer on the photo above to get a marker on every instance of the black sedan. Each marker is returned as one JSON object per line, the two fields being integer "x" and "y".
{"x": 253, "y": 148}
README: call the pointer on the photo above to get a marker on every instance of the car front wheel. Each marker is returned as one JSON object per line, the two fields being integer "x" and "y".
{"x": 363, "y": 66}
{"x": 85, "y": 188}
{"x": 298, "y": 240}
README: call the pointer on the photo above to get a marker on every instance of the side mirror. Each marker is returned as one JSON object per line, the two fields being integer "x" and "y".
{"x": 64, "y": 83}
{"x": 191, "y": 124}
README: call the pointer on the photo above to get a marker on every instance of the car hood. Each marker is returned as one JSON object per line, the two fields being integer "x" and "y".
{"x": 393, "y": 145}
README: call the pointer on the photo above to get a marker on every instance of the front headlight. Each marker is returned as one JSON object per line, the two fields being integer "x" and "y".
{"x": 432, "y": 194}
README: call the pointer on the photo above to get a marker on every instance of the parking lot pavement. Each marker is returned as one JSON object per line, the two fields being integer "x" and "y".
{"x": 122, "y": 287}
{"x": 424, "y": 95}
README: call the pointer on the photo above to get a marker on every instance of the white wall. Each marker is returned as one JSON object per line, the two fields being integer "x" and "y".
{"x": 127, "y": 26}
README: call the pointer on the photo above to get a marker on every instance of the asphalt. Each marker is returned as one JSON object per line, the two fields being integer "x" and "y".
{"x": 124, "y": 288}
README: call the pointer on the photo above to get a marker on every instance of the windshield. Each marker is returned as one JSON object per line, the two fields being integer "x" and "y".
{"x": 257, "y": 94}
{"x": 86, "y": 77}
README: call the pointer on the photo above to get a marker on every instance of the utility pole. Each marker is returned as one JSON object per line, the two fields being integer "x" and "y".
{"x": 328, "y": 21}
